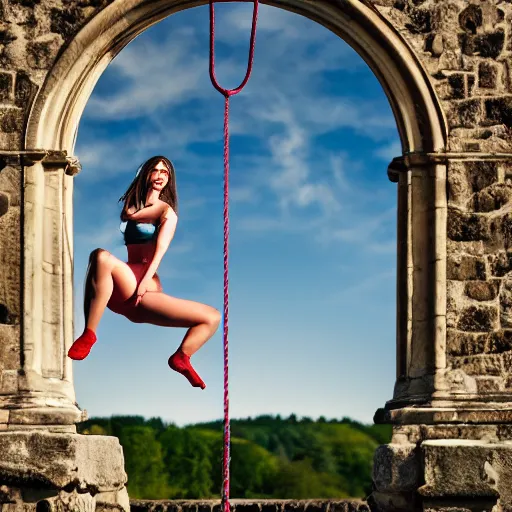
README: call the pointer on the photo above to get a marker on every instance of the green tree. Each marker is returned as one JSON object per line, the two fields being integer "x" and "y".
{"x": 187, "y": 457}
{"x": 143, "y": 462}
{"x": 298, "y": 480}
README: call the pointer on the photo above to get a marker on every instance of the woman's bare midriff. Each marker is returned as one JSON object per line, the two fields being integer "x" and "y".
{"x": 139, "y": 258}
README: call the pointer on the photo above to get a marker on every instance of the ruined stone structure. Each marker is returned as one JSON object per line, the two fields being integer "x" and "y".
{"x": 446, "y": 68}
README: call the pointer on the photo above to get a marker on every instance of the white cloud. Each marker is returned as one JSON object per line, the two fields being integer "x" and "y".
{"x": 151, "y": 76}
{"x": 280, "y": 108}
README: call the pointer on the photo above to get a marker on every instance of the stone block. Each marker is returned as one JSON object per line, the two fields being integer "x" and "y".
{"x": 24, "y": 90}
{"x": 470, "y": 85}
{"x": 493, "y": 198}
{"x": 459, "y": 189}
{"x": 41, "y": 52}
{"x": 500, "y": 263}
{"x": 489, "y": 384}
{"x": 459, "y": 505}
{"x": 465, "y": 344}
{"x": 9, "y": 348}
{"x": 467, "y": 114}
{"x": 459, "y": 382}
{"x": 463, "y": 268}
{"x": 65, "y": 21}
{"x": 481, "y": 174}
{"x": 6, "y": 87}
{"x": 471, "y": 18}
{"x": 9, "y": 379}
{"x": 10, "y": 183}
{"x": 506, "y": 303}
{"x": 457, "y": 84}
{"x": 4, "y": 203}
{"x": 10, "y": 306}
{"x": 498, "y": 111}
{"x": 478, "y": 319}
{"x": 45, "y": 416}
{"x": 466, "y": 227}
{"x": 11, "y": 120}
{"x": 487, "y": 75}
{"x": 484, "y": 45}
{"x": 479, "y": 365}
{"x": 482, "y": 290}
{"x": 499, "y": 341}
{"x": 471, "y": 469}
{"x": 420, "y": 21}
{"x": 500, "y": 228}
{"x": 86, "y": 463}
{"x": 396, "y": 468}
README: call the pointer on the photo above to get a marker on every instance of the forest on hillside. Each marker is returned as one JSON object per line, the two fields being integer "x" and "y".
{"x": 271, "y": 457}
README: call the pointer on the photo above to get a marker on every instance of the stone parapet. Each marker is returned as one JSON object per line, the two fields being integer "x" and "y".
{"x": 245, "y": 505}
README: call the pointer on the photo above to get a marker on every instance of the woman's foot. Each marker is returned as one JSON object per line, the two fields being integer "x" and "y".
{"x": 180, "y": 363}
{"x": 82, "y": 346}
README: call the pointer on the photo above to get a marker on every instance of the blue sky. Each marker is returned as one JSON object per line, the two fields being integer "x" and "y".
{"x": 313, "y": 220}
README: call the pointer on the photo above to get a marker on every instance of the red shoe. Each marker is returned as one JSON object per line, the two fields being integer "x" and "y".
{"x": 82, "y": 346}
{"x": 180, "y": 363}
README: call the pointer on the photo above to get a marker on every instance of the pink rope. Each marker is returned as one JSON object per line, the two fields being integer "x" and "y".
{"x": 227, "y": 93}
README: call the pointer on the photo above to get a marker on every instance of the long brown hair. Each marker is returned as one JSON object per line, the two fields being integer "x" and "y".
{"x": 138, "y": 189}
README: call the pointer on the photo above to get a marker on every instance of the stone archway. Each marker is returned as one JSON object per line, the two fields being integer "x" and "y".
{"x": 54, "y": 118}
{"x": 446, "y": 71}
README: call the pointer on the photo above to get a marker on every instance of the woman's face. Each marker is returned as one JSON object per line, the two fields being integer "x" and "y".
{"x": 159, "y": 176}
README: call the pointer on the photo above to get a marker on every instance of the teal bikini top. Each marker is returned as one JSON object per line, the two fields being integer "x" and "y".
{"x": 138, "y": 233}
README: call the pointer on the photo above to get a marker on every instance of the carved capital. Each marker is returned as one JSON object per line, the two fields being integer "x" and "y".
{"x": 60, "y": 159}
{"x": 396, "y": 166}
{"x": 51, "y": 160}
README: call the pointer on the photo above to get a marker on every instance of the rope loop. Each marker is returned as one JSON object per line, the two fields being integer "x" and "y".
{"x": 231, "y": 92}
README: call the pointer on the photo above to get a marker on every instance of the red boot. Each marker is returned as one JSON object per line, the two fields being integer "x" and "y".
{"x": 82, "y": 346}
{"x": 180, "y": 363}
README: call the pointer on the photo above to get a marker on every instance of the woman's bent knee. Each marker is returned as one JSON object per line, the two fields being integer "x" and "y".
{"x": 214, "y": 318}
{"x": 99, "y": 256}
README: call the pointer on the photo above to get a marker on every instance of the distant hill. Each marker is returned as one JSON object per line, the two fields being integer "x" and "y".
{"x": 271, "y": 457}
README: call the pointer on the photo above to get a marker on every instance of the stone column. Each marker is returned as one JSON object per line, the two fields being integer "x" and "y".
{"x": 451, "y": 448}
{"x": 44, "y": 464}
{"x": 36, "y": 388}
{"x": 421, "y": 278}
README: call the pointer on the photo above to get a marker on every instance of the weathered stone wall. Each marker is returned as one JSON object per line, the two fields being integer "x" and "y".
{"x": 466, "y": 48}
{"x": 10, "y": 268}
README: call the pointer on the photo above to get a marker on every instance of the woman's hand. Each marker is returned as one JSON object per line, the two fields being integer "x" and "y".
{"x": 142, "y": 289}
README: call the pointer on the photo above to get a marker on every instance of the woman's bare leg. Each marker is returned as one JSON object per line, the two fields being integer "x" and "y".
{"x": 102, "y": 271}
{"x": 99, "y": 286}
{"x": 202, "y": 320}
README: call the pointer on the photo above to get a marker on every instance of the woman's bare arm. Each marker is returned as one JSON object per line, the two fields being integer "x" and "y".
{"x": 166, "y": 232}
{"x": 149, "y": 213}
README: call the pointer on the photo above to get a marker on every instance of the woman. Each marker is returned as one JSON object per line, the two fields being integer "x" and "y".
{"x": 133, "y": 289}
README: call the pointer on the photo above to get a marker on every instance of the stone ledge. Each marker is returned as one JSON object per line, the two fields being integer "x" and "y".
{"x": 469, "y": 469}
{"x": 466, "y": 413}
{"x": 45, "y": 416}
{"x": 58, "y": 460}
{"x": 246, "y": 505}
